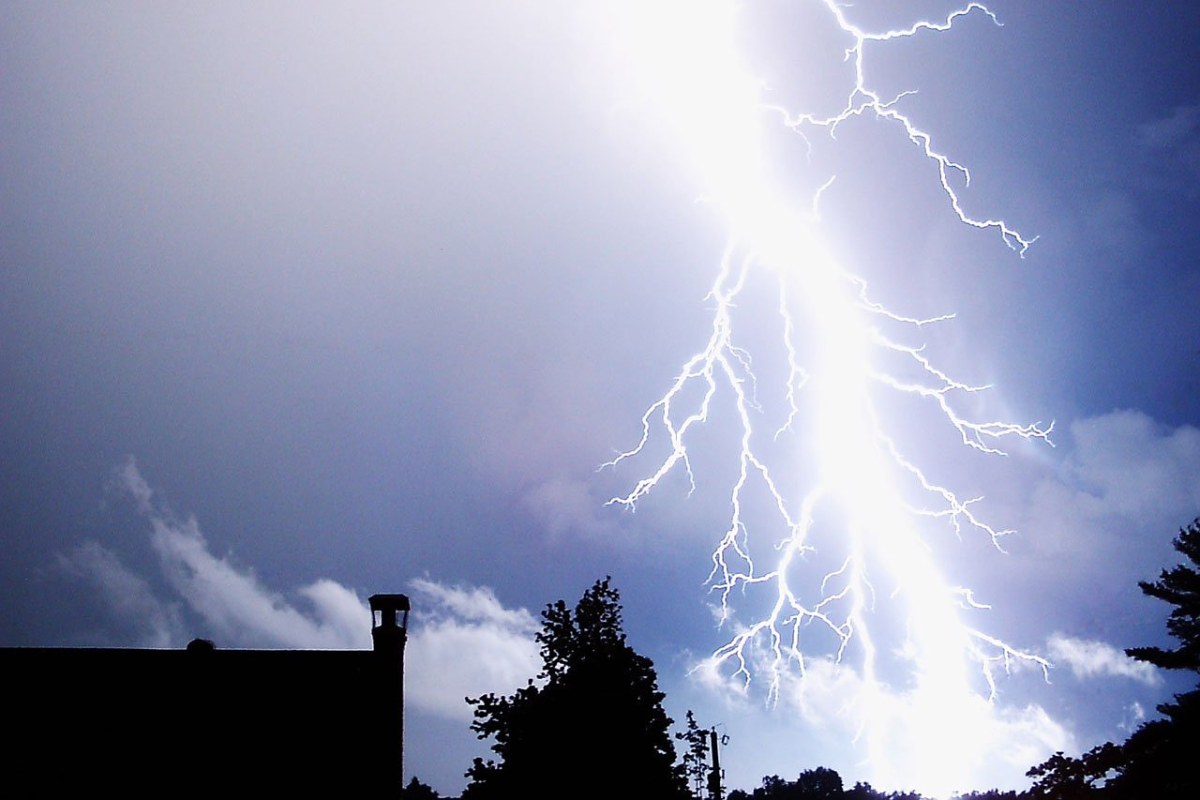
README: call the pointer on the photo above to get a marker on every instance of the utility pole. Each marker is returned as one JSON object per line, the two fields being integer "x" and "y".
{"x": 714, "y": 777}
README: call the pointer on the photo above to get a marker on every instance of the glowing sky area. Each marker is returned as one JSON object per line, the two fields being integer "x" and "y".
{"x": 300, "y": 303}
{"x": 687, "y": 53}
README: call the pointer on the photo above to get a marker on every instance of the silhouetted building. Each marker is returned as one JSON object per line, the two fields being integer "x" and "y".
{"x": 272, "y": 723}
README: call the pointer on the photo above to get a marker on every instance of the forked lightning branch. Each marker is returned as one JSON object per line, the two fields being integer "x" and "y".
{"x": 839, "y": 350}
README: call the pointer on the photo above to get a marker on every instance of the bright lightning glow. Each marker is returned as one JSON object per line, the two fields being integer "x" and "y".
{"x": 843, "y": 351}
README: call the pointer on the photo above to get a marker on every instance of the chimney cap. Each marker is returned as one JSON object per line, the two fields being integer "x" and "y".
{"x": 379, "y": 602}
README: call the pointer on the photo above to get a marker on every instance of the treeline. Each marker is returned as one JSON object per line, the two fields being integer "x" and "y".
{"x": 826, "y": 784}
{"x": 1155, "y": 762}
{"x": 592, "y": 723}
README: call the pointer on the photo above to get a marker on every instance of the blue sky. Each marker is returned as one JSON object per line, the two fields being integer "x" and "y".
{"x": 302, "y": 303}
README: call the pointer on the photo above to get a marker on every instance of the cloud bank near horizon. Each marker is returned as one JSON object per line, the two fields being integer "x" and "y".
{"x": 462, "y": 641}
{"x": 465, "y": 642}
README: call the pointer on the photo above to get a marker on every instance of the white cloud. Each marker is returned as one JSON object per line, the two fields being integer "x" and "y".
{"x": 1103, "y": 515}
{"x": 924, "y": 738}
{"x": 465, "y": 645}
{"x": 130, "y": 479}
{"x": 1090, "y": 659}
{"x": 565, "y": 505}
{"x": 1124, "y": 488}
{"x": 1133, "y": 466}
{"x": 241, "y": 610}
{"x": 462, "y": 640}
{"x": 1135, "y": 715}
{"x": 473, "y": 603}
{"x": 234, "y": 605}
{"x": 911, "y": 738}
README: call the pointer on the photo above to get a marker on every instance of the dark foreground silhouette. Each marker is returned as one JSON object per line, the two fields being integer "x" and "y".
{"x": 1158, "y": 761}
{"x": 592, "y": 724}
{"x": 164, "y": 723}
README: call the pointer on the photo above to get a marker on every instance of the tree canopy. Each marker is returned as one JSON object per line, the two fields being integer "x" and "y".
{"x": 821, "y": 783}
{"x": 1179, "y": 586}
{"x": 591, "y": 723}
{"x": 416, "y": 790}
{"x": 1157, "y": 759}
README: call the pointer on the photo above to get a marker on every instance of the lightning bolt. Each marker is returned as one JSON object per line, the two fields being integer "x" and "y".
{"x": 860, "y": 513}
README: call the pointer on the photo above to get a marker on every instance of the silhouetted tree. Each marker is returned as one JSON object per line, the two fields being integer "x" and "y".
{"x": 1160, "y": 755}
{"x": 1063, "y": 777}
{"x": 695, "y": 756}
{"x": 1179, "y": 586}
{"x": 821, "y": 783}
{"x": 415, "y": 790}
{"x": 591, "y": 725}
{"x": 861, "y": 791}
{"x": 1157, "y": 759}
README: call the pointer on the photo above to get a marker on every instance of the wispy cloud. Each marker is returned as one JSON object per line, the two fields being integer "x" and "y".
{"x": 565, "y": 505}
{"x": 1091, "y": 659}
{"x": 127, "y": 594}
{"x": 233, "y": 603}
{"x": 1135, "y": 715}
{"x": 462, "y": 641}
